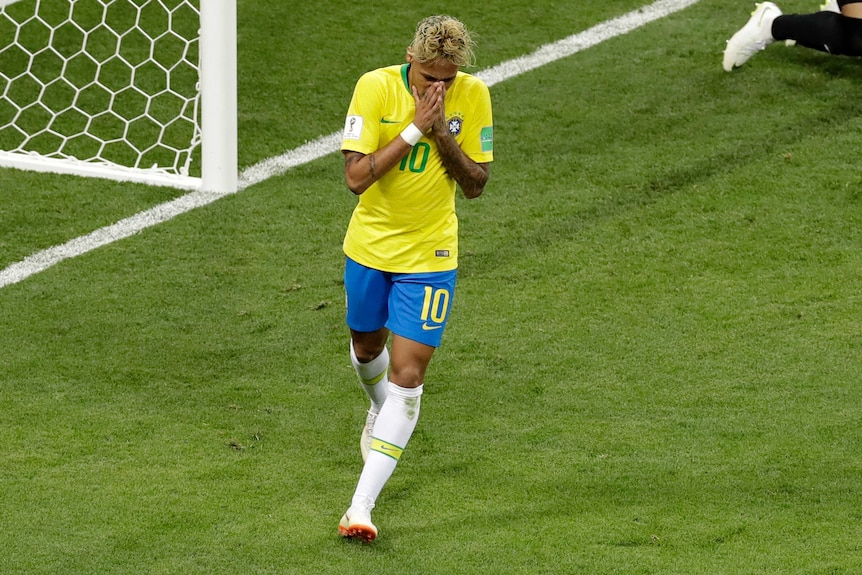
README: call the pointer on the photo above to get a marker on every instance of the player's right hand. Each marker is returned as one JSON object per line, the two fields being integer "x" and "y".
{"x": 429, "y": 106}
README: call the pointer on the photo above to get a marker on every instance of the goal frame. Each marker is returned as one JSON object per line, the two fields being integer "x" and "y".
{"x": 217, "y": 81}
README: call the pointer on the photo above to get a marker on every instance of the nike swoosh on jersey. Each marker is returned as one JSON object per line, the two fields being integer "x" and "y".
{"x": 385, "y": 121}
{"x": 427, "y": 327}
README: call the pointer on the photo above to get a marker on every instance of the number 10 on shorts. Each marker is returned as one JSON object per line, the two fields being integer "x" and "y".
{"x": 436, "y": 304}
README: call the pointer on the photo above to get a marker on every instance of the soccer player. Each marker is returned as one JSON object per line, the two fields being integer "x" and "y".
{"x": 835, "y": 29}
{"x": 414, "y": 133}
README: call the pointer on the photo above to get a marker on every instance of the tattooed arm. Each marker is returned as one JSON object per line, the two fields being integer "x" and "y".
{"x": 361, "y": 171}
{"x": 471, "y": 176}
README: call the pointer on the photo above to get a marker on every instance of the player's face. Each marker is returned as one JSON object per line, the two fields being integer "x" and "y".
{"x": 424, "y": 74}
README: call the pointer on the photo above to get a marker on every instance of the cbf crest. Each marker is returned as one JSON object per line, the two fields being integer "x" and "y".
{"x": 455, "y": 125}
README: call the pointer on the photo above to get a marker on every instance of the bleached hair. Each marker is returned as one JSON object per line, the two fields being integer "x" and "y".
{"x": 442, "y": 37}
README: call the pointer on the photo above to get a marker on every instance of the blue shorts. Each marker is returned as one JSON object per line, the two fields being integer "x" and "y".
{"x": 415, "y": 306}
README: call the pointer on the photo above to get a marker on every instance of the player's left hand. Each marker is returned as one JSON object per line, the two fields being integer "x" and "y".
{"x": 440, "y": 127}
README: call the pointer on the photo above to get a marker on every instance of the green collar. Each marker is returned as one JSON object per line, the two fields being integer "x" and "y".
{"x": 404, "y": 69}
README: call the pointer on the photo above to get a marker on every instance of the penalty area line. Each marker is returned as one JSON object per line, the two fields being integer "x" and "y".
{"x": 325, "y": 145}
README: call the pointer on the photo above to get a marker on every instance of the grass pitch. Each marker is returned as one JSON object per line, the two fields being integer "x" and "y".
{"x": 652, "y": 365}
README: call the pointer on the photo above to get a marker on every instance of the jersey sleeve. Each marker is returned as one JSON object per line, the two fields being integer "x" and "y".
{"x": 478, "y": 141}
{"x": 362, "y": 125}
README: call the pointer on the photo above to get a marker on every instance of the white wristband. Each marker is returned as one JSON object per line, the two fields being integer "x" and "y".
{"x": 411, "y": 134}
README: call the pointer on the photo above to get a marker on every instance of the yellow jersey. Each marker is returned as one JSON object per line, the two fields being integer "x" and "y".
{"x": 405, "y": 222}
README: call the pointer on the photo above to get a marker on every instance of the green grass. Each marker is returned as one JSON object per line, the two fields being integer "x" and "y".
{"x": 652, "y": 365}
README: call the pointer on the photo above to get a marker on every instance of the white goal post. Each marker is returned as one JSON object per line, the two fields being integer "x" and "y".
{"x": 131, "y": 90}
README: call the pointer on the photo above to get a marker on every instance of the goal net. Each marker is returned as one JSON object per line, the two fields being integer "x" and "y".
{"x": 120, "y": 89}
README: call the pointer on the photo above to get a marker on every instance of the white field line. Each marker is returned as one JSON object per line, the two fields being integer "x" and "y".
{"x": 325, "y": 145}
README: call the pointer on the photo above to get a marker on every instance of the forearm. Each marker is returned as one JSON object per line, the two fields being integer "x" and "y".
{"x": 469, "y": 175}
{"x": 361, "y": 171}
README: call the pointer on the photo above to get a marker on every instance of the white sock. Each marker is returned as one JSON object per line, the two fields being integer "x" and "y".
{"x": 392, "y": 431}
{"x": 373, "y": 376}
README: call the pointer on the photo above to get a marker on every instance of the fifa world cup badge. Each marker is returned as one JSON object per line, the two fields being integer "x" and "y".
{"x": 352, "y": 128}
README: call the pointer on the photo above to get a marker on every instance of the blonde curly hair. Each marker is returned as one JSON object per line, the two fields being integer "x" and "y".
{"x": 442, "y": 37}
